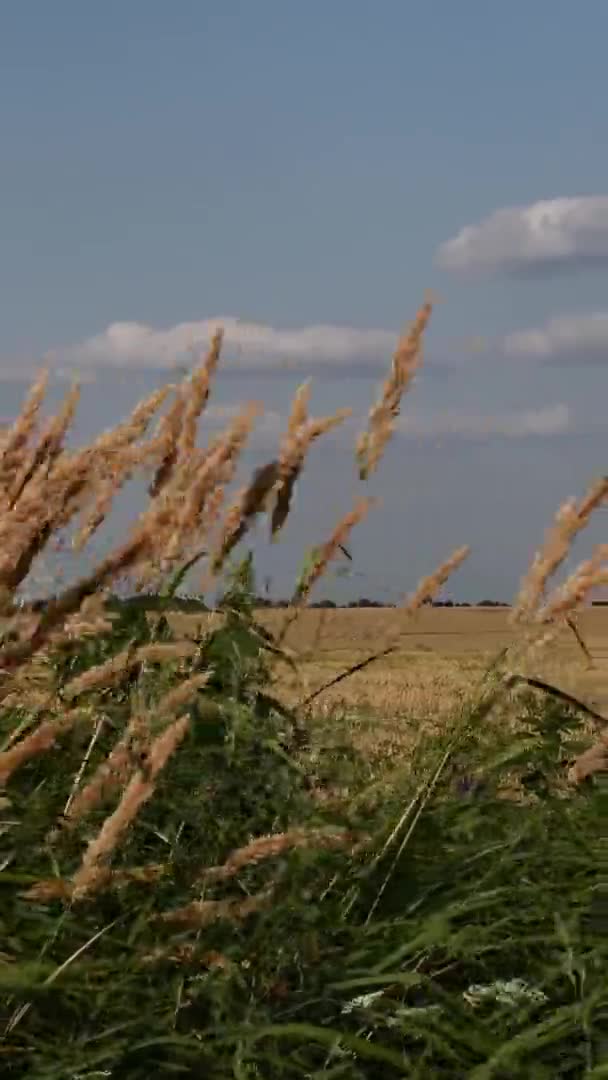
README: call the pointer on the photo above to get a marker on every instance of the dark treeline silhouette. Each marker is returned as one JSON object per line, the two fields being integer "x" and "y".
{"x": 195, "y": 603}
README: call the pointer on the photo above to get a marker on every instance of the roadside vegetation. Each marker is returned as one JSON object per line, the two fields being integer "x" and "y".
{"x": 198, "y": 879}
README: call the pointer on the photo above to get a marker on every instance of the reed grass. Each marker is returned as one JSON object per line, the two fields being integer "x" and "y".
{"x": 177, "y": 896}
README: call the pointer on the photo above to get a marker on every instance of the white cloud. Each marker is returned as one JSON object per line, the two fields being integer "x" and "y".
{"x": 246, "y": 345}
{"x": 576, "y": 338}
{"x": 553, "y": 231}
{"x": 550, "y": 420}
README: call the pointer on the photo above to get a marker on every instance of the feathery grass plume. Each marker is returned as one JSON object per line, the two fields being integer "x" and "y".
{"x": 117, "y": 445}
{"x": 251, "y": 501}
{"x": 570, "y": 520}
{"x": 329, "y": 549}
{"x": 136, "y": 425}
{"x": 61, "y": 888}
{"x": 182, "y": 694}
{"x": 589, "y": 575}
{"x": 43, "y": 738}
{"x": 118, "y": 457}
{"x": 268, "y": 847}
{"x": 201, "y": 913}
{"x": 167, "y": 442}
{"x": 428, "y": 588}
{"x": 177, "y": 524}
{"x": 67, "y": 603}
{"x": 103, "y": 675}
{"x": 299, "y": 408}
{"x": 169, "y": 653}
{"x": 198, "y": 394}
{"x": 44, "y": 505}
{"x": 113, "y": 474}
{"x": 28, "y": 522}
{"x": 110, "y": 774}
{"x": 49, "y": 446}
{"x": 14, "y": 441}
{"x": 295, "y": 444}
{"x": 407, "y": 360}
{"x": 113, "y": 772}
{"x": 49, "y": 502}
{"x": 92, "y": 870}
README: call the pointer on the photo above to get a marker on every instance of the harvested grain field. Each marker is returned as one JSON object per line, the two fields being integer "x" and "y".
{"x": 439, "y": 657}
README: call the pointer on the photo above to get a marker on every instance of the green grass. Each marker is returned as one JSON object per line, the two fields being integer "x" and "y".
{"x": 465, "y": 938}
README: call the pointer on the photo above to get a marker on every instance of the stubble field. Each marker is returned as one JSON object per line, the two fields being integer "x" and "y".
{"x": 438, "y": 661}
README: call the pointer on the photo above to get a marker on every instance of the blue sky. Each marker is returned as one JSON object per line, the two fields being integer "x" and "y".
{"x": 313, "y": 165}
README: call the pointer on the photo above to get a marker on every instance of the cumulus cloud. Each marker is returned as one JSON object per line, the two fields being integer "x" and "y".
{"x": 552, "y": 232}
{"x": 550, "y": 420}
{"x": 566, "y": 338}
{"x": 247, "y": 345}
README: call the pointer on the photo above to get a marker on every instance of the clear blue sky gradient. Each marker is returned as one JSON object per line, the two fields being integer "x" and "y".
{"x": 295, "y": 163}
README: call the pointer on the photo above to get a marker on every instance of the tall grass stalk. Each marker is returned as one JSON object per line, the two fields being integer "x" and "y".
{"x": 177, "y": 896}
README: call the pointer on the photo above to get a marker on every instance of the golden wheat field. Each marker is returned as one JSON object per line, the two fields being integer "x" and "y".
{"x": 439, "y": 657}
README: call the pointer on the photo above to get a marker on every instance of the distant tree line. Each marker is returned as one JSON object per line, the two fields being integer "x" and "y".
{"x": 364, "y": 602}
{"x": 195, "y": 603}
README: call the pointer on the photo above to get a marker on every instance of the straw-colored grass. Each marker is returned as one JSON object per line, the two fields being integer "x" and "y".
{"x": 125, "y": 739}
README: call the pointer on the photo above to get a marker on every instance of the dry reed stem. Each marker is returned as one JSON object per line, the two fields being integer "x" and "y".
{"x": 15, "y": 440}
{"x": 544, "y": 624}
{"x": 570, "y": 520}
{"x": 428, "y": 588}
{"x": 104, "y": 675}
{"x": 182, "y": 694}
{"x": 406, "y": 362}
{"x": 167, "y": 443}
{"x": 139, "y": 790}
{"x": 251, "y": 501}
{"x": 48, "y": 889}
{"x": 269, "y": 847}
{"x": 176, "y": 524}
{"x": 112, "y": 670}
{"x": 52, "y": 495}
{"x": 199, "y": 389}
{"x": 43, "y": 738}
{"x": 589, "y": 575}
{"x": 117, "y": 459}
{"x": 201, "y": 913}
{"x": 57, "y": 610}
{"x": 328, "y": 551}
{"x": 48, "y": 448}
{"x": 109, "y": 774}
{"x": 298, "y": 415}
{"x": 113, "y": 772}
{"x": 295, "y": 445}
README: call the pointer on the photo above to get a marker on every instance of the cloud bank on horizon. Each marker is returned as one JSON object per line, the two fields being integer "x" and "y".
{"x": 574, "y": 338}
{"x": 249, "y": 345}
{"x": 564, "y": 231}
{"x": 542, "y": 234}
{"x": 566, "y": 338}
